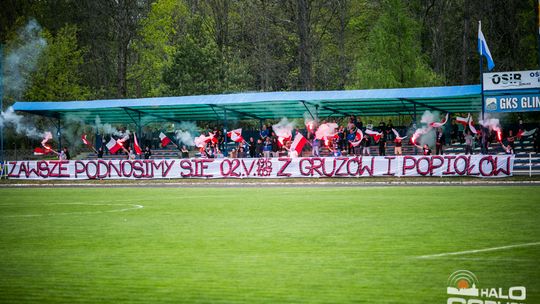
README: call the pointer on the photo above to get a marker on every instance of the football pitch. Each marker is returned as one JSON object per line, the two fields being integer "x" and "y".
{"x": 265, "y": 245}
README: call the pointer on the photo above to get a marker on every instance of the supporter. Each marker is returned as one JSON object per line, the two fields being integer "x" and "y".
{"x": 358, "y": 123}
{"x": 398, "y": 146}
{"x": 510, "y": 139}
{"x": 130, "y": 154}
{"x": 315, "y": 144}
{"x": 426, "y": 150}
{"x": 469, "y": 139}
{"x": 484, "y": 140}
{"x": 454, "y": 130}
{"x": 233, "y": 154}
{"x": 147, "y": 152}
{"x": 267, "y": 148}
{"x": 507, "y": 149}
{"x": 185, "y": 152}
{"x": 382, "y": 144}
{"x": 439, "y": 141}
{"x": 242, "y": 152}
{"x": 252, "y": 147}
{"x": 342, "y": 138}
{"x": 66, "y": 153}
{"x": 264, "y": 132}
{"x": 351, "y": 125}
{"x": 351, "y": 136}
{"x": 334, "y": 148}
{"x": 259, "y": 148}
{"x": 365, "y": 144}
{"x": 275, "y": 146}
{"x": 389, "y": 133}
{"x": 100, "y": 152}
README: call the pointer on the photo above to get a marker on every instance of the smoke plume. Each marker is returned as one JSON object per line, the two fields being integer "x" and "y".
{"x": 22, "y": 58}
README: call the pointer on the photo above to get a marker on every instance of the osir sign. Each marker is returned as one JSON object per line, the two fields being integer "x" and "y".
{"x": 514, "y": 80}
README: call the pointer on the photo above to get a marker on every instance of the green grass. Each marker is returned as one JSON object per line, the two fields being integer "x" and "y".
{"x": 266, "y": 245}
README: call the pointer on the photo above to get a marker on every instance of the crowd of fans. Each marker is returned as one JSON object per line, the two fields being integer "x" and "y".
{"x": 265, "y": 142}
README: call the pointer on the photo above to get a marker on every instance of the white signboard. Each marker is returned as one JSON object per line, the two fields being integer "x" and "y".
{"x": 515, "y": 80}
{"x": 307, "y": 167}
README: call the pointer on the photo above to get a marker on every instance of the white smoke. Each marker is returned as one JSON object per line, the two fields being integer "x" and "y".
{"x": 20, "y": 124}
{"x": 22, "y": 58}
{"x": 284, "y": 128}
{"x": 327, "y": 130}
{"x": 425, "y": 135}
{"x": 186, "y": 133}
{"x": 108, "y": 129}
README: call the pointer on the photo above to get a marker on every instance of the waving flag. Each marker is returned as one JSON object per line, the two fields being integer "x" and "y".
{"x": 463, "y": 121}
{"x": 483, "y": 48}
{"x": 439, "y": 124}
{"x": 113, "y": 146}
{"x": 298, "y": 143}
{"x": 236, "y": 135}
{"x": 523, "y": 133}
{"x": 42, "y": 151}
{"x": 376, "y": 135}
{"x": 136, "y": 145}
{"x": 471, "y": 126}
{"x": 396, "y": 133}
{"x": 200, "y": 141}
{"x": 281, "y": 140}
{"x": 164, "y": 139}
{"x": 84, "y": 140}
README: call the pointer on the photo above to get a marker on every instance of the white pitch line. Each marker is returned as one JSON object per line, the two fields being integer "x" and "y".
{"x": 477, "y": 250}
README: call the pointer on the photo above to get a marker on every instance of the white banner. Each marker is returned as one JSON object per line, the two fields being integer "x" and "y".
{"x": 436, "y": 165}
{"x": 514, "y": 80}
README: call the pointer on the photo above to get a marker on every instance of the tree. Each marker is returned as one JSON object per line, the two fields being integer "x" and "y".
{"x": 58, "y": 75}
{"x": 395, "y": 58}
{"x": 194, "y": 71}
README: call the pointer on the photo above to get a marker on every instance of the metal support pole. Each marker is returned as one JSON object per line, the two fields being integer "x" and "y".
{"x": 59, "y": 134}
{"x": 225, "y": 127}
{"x": 1, "y": 106}
{"x": 530, "y": 164}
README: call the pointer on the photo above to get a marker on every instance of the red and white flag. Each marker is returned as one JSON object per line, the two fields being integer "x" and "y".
{"x": 42, "y": 151}
{"x": 439, "y": 124}
{"x": 200, "y": 141}
{"x": 236, "y": 135}
{"x": 298, "y": 143}
{"x": 463, "y": 121}
{"x": 281, "y": 140}
{"x": 213, "y": 137}
{"x": 471, "y": 126}
{"x": 136, "y": 145}
{"x": 85, "y": 140}
{"x": 113, "y": 145}
{"x": 396, "y": 133}
{"x": 376, "y": 135}
{"x": 524, "y": 133}
{"x": 164, "y": 139}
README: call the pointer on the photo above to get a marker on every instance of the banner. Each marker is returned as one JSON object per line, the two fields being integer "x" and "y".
{"x": 514, "y": 80}
{"x": 312, "y": 167}
{"x": 513, "y": 103}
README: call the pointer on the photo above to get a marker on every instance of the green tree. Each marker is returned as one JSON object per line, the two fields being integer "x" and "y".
{"x": 195, "y": 70}
{"x": 58, "y": 75}
{"x": 393, "y": 56}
